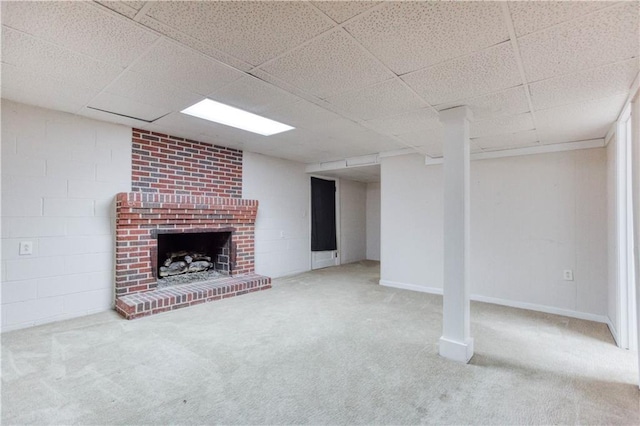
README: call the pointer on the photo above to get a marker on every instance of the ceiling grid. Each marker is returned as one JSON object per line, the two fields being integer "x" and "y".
{"x": 354, "y": 78}
{"x": 523, "y": 76}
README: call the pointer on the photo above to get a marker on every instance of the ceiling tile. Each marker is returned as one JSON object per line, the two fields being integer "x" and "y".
{"x": 276, "y": 82}
{"x": 125, "y": 106}
{"x": 252, "y": 31}
{"x": 183, "y": 125}
{"x": 252, "y": 94}
{"x": 81, "y": 27}
{"x": 232, "y": 137}
{"x": 370, "y": 142}
{"x": 136, "y": 86}
{"x": 575, "y": 122}
{"x": 303, "y": 155}
{"x": 171, "y": 63}
{"x": 507, "y": 102}
{"x": 195, "y": 44}
{"x": 52, "y": 63}
{"x": 501, "y": 125}
{"x": 506, "y": 141}
{"x": 303, "y": 114}
{"x": 408, "y": 36}
{"x": 299, "y": 137}
{"x": 111, "y": 118}
{"x": 43, "y": 91}
{"x": 350, "y": 133}
{"x": 331, "y": 64}
{"x": 381, "y": 100}
{"x": 528, "y": 17}
{"x": 422, "y": 120}
{"x": 477, "y": 74}
{"x": 600, "y": 38}
{"x": 340, "y": 11}
{"x": 595, "y": 83}
{"x": 137, "y": 5}
{"x": 430, "y": 141}
{"x": 125, "y": 8}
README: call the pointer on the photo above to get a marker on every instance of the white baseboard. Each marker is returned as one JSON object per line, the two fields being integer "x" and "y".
{"x": 613, "y": 331}
{"x": 505, "y": 302}
{"x": 413, "y": 287}
{"x": 541, "y": 308}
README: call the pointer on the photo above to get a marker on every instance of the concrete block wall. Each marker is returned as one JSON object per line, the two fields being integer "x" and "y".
{"x": 282, "y": 231}
{"x": 60, "y": 174}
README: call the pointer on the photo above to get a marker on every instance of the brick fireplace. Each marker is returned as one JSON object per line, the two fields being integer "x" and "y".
{"x": 184, "y": 193}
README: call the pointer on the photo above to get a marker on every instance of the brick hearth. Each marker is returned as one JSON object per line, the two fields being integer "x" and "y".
{"x": 139, "y": 219}
{"x": 153, "y": 302}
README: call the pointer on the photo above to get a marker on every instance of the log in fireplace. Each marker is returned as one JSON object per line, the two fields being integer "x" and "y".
{"x": 194, "y": 251}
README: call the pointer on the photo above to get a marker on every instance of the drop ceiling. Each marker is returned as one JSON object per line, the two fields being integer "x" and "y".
{"x": 354, "y": 78}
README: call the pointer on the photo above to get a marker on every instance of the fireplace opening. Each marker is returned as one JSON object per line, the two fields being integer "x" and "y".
{"x": 194, "y": 256}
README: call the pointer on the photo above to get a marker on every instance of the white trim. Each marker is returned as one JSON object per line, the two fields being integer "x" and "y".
{"x": 610, "y": 135}
{"x": 412, "y": 287}
{"x": 623, "y": 227}
{"x": 633, "y": 90}
{"x": 456, "y": 351}
{"x": 504, "y": 302}
{"x": 612, "y": 330}
{"x": 322, "y": 167}
{"x": 531, "y": 150}
{"x": 431, "y": 161}
{"x": 541, "y": 308}
{"x": 397, "y": 152}
{"x": 541, "y": 149}
{"x": 358, "y": 161}
{"x": 372, "y": 159}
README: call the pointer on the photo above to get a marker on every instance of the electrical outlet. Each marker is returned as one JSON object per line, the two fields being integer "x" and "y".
{"x": 26, "y": 248}
{"x": 567, "y": 274}
{"x": 281, "y": 234}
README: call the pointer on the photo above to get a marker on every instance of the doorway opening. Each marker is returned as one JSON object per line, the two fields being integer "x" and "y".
{"x": 324, "y": 223}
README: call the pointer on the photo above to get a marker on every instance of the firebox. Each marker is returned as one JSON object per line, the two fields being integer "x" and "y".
{"x": 186, "y": 252}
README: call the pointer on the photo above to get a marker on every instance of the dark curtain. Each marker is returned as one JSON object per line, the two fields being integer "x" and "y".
{"x": 323, "y": 215}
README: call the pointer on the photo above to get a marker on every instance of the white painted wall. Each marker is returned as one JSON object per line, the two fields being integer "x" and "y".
{"x": 60, "y": 174}
{"x": 612, "y": 240}
{"x": 531, "y": 218}
{"x": 282, "y": 237}
{"x": 373, "y": 221}
{"x": 411, "y": 222}
{"x": 353, "y": 221}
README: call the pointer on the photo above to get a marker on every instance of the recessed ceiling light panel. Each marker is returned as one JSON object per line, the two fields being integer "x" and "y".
{"x": 234, "y": 117}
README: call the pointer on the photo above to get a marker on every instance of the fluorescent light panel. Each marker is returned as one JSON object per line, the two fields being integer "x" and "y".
{"x": 234, "y": 117}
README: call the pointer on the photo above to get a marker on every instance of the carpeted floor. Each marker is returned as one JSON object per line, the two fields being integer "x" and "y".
{"x": 325, "y": 347}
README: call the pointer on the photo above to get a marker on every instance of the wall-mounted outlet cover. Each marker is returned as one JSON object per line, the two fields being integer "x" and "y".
{"x": 26, "y": 248}
{"x": 567, "y": 274}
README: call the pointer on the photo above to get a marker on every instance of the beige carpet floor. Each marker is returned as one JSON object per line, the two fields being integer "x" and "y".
{"x": 325, "y": 347}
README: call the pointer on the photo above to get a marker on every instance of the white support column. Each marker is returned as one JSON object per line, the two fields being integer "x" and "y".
{"x": 456, "y": 342}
